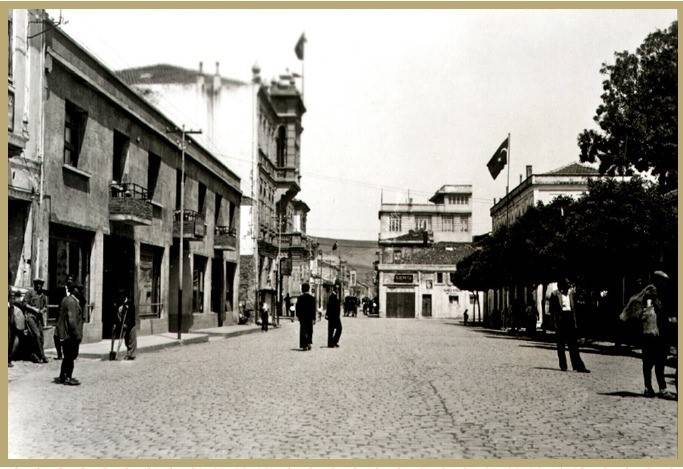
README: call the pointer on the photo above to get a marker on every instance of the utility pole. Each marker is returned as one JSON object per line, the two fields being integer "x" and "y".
{"x": 279, "y": 268}
{"x": 183, "y": 132}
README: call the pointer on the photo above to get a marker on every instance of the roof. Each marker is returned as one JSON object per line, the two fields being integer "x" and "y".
{"x": 300, "y": 204}
{"x": 451, "y": 189}
{"x": 438, "y": 254}
{"x": 574, "y": 169}
{"x": 166, "y": 73}
{"x": 411, "y": 237}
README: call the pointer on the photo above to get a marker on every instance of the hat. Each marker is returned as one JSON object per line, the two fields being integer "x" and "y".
{"x": 76, "y": 284}
{"x": 15, "y": 292}
{"x": 38, "y": 280}
{"x": 661, "y": 274}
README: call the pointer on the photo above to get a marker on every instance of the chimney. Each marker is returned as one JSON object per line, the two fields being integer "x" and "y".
{"x": 520, "y": 178}
{"x": 528, "y": 170}
{"x": 494, "y": 201}
{"x": 217, "y": 79}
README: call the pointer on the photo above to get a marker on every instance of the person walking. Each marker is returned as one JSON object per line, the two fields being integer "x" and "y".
{"x": 563, "y": 314}
{"x": 70, "y": 332}
{"x": 305, "y": 312}
{"x": 264, "y": 316}
{"x": 334, "y": 326}
{"x": 124, "y": 324}
{"x": 34, "y": 306}
{"x": 651, "y": 312}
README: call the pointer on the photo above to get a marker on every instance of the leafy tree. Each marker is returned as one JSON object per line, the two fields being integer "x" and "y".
{"x": 638, "y": 114}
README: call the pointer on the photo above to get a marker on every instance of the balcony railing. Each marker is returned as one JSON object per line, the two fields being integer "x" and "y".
{"x": 287, "y": 175}
{"x": 194, "y": 226}
{"x": 129, "y": 203}
{"x": 225, "y": 238}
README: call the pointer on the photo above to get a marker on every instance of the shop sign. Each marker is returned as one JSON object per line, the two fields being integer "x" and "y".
{"x": 403, "y": 278}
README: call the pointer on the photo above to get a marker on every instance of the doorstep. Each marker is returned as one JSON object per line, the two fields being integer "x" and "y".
{"x": 146, "y": 343}
{"x": 228, "y": 331}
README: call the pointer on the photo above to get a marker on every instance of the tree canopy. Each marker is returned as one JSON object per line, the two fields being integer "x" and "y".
{"x": 638, "y": 114}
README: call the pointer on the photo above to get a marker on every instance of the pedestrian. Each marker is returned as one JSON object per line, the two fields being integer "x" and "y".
{"x": 70, "y": 332}
{"x": 124, "y": 324}
{"x": 64, "y": 292}
{"x": 564, "y": 316}
{"x": 264, "y": 316}
{"x": 465, "y": 316}
{"x": 305, "y": 312}
{"x": 34, "y": 306}
{"x": 334, "y": 326}
{"x": 288, "y": 303}
{"x": 651, "y": 312}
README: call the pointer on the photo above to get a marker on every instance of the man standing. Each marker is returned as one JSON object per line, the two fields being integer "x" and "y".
{"x": 70, "y": 333}
{"x": 334, "y": 326}
{"x": 305, "y": 312}
{"x": 125, "y": 323}
{"x": 264, "y": 316}
{"x": 562, "y": 312}
{"x": 35, "y": 309}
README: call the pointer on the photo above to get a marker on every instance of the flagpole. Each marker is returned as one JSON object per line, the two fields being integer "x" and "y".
{"x": 507, "y": 188}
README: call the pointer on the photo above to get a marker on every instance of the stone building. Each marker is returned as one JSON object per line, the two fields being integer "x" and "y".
{"x": 111, "y": 191}
{"x": 419, "y": 246}
{"x": 257, "y": 128}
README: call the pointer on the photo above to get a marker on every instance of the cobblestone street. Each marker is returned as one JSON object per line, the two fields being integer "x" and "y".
{"x": 394, "y": 389}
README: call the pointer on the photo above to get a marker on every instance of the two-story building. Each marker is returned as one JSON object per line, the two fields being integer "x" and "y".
{"x": 419, "y": 245}
{"x": 257, "y": 128}
{"x": 113, "y": 174}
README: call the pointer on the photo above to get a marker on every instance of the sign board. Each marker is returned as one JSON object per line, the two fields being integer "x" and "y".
{"x": 403, "y": 278}
{"x": 286, "y": 266}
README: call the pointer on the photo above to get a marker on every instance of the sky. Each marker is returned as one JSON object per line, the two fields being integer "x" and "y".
{"x": 399, "y": 102}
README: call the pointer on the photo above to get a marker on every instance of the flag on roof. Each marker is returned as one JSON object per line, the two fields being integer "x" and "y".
{"x": 299, "y": 48}
{"x": 499, "y": 158}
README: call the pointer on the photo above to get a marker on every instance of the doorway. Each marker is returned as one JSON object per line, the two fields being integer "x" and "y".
{"x": 426, "y": 306}
{"x": 119, "y": 272}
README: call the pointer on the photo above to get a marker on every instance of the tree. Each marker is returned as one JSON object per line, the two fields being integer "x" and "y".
{"x": 638, "y": 113}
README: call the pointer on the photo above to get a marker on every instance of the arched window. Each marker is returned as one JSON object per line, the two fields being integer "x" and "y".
{"x": 281, "y": 145}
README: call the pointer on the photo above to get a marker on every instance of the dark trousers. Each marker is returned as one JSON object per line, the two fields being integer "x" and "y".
{"x": 58, "y": 346}
{"x": 264, "y": 322}
{"x": 567, "y": 337}
{"x": 334, "y": 330}
{"x": 36, "y": 338}
{"x": 70, "y": 351}
{"x": 654, "y": 354}
{"x": 305, "y": 333}
{"x": 130, "y": 337}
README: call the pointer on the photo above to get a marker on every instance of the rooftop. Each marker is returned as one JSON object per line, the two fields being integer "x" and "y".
{"x": 166, "y": 74}
{"x": 451, "y": 189}
{"x": 438, "y": 254}
{"x": 573, "y": 169}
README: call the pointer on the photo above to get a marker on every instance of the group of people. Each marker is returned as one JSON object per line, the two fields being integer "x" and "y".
{"x": 306, "y": 314}
{"x": 647, "y": 310}
{"x": 28, "y": 316}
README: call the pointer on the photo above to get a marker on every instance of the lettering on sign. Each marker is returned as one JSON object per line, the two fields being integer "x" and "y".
{"x": 403, "y": 278}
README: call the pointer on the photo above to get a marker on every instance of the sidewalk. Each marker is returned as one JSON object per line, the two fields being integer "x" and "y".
{"x": 152, "y": 343}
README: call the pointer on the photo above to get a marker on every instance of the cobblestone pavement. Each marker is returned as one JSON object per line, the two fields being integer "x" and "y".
{"x": 394, "y": 389}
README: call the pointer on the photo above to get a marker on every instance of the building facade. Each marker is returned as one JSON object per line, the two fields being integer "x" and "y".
{"x": 111, "y": 192}
{"x": 257, "y": 127}
{"x": 419, "y": 246}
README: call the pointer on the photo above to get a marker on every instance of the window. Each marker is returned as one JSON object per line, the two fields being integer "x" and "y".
{"x": 452, "y": 299}
{"x": 74, "y": 121}
{"x": 150, "y": 281}
{"x": 198, "y": 271}
{"x": 397, "y": 256}
{"x": 464, "y": 223}
{"x": 201, "y": 199}
{"x": 395, "y": 222}
{"x": 217, "y": 210}
{"x": 178, "y": 188}
{"x": 447, "y": 223}
{"x": 423, "y": 223}
{"x": 452, "y": 277}
{"x": 281, "y": 143}
{"x": 153, "y": 166}
{"x": 121, "y": 144}
{"x": 439, "y": 277}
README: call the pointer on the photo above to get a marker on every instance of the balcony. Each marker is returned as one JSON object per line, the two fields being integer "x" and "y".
{"x": 193, "y": 224}
{"x": 294, "y": 240}
{"x": 129, "y": 203}
{"x": 225, "y": 238}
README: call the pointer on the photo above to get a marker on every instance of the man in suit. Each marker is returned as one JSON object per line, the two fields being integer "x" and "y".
{"x": 70, "y": 333}
{"x": 563, "y": 313}
{"x": 334, "y": 326}
{"x": 124, "y": 324}
{"x": 305, "y": 312}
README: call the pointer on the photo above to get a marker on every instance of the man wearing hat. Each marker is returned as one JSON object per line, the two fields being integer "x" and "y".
{"x": 70, "y": 333}
{"x": 35, "y": 309}
{"x": 124, "y": 323}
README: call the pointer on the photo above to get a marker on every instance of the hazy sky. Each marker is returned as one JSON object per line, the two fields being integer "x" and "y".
{"x": 405, "y": 100}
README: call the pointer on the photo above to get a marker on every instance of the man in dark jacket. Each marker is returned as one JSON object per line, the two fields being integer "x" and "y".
{"x": 305, "y": 312}
{"x": 70, "y": 333}
{"x": 334, "y": 326}
{"x": 35, "y": 310}
{"x": 562, "y": 310}
{"x": 124, "y": 324}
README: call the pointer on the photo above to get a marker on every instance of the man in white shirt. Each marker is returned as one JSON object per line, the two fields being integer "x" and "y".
{"x": 562, "y": 312}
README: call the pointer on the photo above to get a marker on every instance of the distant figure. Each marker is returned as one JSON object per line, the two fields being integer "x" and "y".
{"x": 124, "y": 324}
{"x": 34, "y": 306}
{"x": 465, "y": 316}
{"x": 70, "y": 332}
{"x": 305, "y": 312}
{"x": 563, "y": 314}
{"x": 650, "y": 311}
{"x": 264, "y": 316}
{"x": 334, "y": 326}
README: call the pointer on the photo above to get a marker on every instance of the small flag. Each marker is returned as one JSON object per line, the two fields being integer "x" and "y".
{"x": 499, "y": 159}
{"x": 299, "y": 48}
